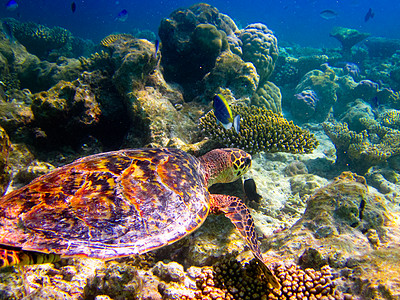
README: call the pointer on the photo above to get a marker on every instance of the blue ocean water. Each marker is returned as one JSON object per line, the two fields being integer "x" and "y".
{"x": 292, "y": 21}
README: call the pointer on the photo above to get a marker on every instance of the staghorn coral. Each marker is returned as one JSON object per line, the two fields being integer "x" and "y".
{"x": 228, "y": 279}
{"x": 260, "y": 47}
{"x": 261, "y": 130}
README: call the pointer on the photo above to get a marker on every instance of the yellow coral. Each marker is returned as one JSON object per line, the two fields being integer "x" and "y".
{"x": 261, "y": 130}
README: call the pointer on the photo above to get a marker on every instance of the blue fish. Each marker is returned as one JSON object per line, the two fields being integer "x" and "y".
{"x": 370, "y": 14}
{"x": 328, "y": 14}
{"x": 73, "y": 7}
{"x": 11, "y": 5}
{"x": 122, "y": 16}
{"x": 8, "y": 31}
{"x": 223, "y": 113}
{"x": 156, "y": 46}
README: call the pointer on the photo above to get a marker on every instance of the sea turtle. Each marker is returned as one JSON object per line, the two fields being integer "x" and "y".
{"x": 122, "y": 203}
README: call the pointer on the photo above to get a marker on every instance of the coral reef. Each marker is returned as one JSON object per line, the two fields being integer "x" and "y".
{"x": 39, "y": 39}
{"x": 269, "y": 96}
{"x": 357, "y": 150}
{"x": 228, "y": 279}
{"x": 261, "y": 130}
{"x": 233, "y": 74}
{"x": 304, "y": 105}
{"x": 381, "y": 47}
{"x": 351, "y": 230}
{"x": 324, "y": 86}
{"x": 348, "y": 37}
{"x": 260, "y": 47}
{"x": 192, "y": 39}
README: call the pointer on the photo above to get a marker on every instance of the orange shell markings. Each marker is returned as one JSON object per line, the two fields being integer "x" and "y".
{"x": 108, "y": 205}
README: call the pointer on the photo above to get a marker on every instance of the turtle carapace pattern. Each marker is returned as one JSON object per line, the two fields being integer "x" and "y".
{"x": 122, "y": 203}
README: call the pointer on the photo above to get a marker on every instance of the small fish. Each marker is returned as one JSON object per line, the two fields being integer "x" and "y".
{"x": 122, "y": 16}
{"x": 73, "y": 7}
{"x": 328, "y": 14}
{"x": 223, "y": 113}
{"x": 250, "y": 190}
{"x": 7, "y": 30}
{"x": 375, "y": 102}
{"x": 370, "y": 14}
{"x": 156, "y": 46}
{"x": 11, "y": 5}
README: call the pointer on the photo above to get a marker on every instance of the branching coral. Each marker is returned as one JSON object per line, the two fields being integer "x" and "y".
{"x": 39, "y": 39}
{"x": 230, "y": 280}
{"x": 357, "y": 150}
{"x": 261, "y": 130}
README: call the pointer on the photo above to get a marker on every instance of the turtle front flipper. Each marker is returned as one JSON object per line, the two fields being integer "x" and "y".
{"x": 9, "y": 258}
{"x": 239, "y": 214}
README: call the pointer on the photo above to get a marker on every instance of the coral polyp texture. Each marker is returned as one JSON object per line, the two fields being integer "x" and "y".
{"x": 357, "y": 150}
{"x": 228, "y": 279}
{"x": 260, "y": 47}
{"x": 39, "y": 39}
{"x": 260, "y": 130}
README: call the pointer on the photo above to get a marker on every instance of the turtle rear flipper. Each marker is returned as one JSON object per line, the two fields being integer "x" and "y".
{"x": 9, "y": 258}
{"x": 239, "y": 214}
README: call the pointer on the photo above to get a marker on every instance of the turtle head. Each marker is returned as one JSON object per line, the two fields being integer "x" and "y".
{"x": 225, "y": 165}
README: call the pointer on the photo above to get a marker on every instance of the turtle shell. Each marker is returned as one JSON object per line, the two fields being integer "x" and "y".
{"x": 108, "y": 205}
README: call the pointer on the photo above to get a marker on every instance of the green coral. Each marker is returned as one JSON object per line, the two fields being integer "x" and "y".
{"x": 39, "y": 39}
{"x": 362, "y": 150}
{"x": 268, "y": 95}
{"x": 260, "y": 130}
{"x": 391, "y": 119}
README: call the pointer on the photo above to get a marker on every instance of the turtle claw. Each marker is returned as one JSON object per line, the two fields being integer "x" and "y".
{"x": 239, "y": 214}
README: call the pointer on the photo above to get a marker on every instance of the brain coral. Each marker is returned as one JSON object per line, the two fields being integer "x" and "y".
{"x": 230, "y": 280}
{"x": 260, "y": 130}
{"x": 259, "y": 46}
{"x": 269, "y": 96}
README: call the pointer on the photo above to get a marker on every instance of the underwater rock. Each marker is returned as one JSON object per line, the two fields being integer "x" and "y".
{"x": 133, "y": 61}
{"x": 156, "y": 119}
{"x": 304, "y": 104}
{"x": 231, "y": 73}
{"x": 348, "y": 37}
{"x": 66, "y": 112}
{"x": 381, "y": 47}
{"x": 269, "y": 96}
{"x": 191, "y": 40}
{"x": 116, "y": 280}
{"x": 354, "y": 112}
{"x": 351, "y": 230}
{"x": 260, "y": 47}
